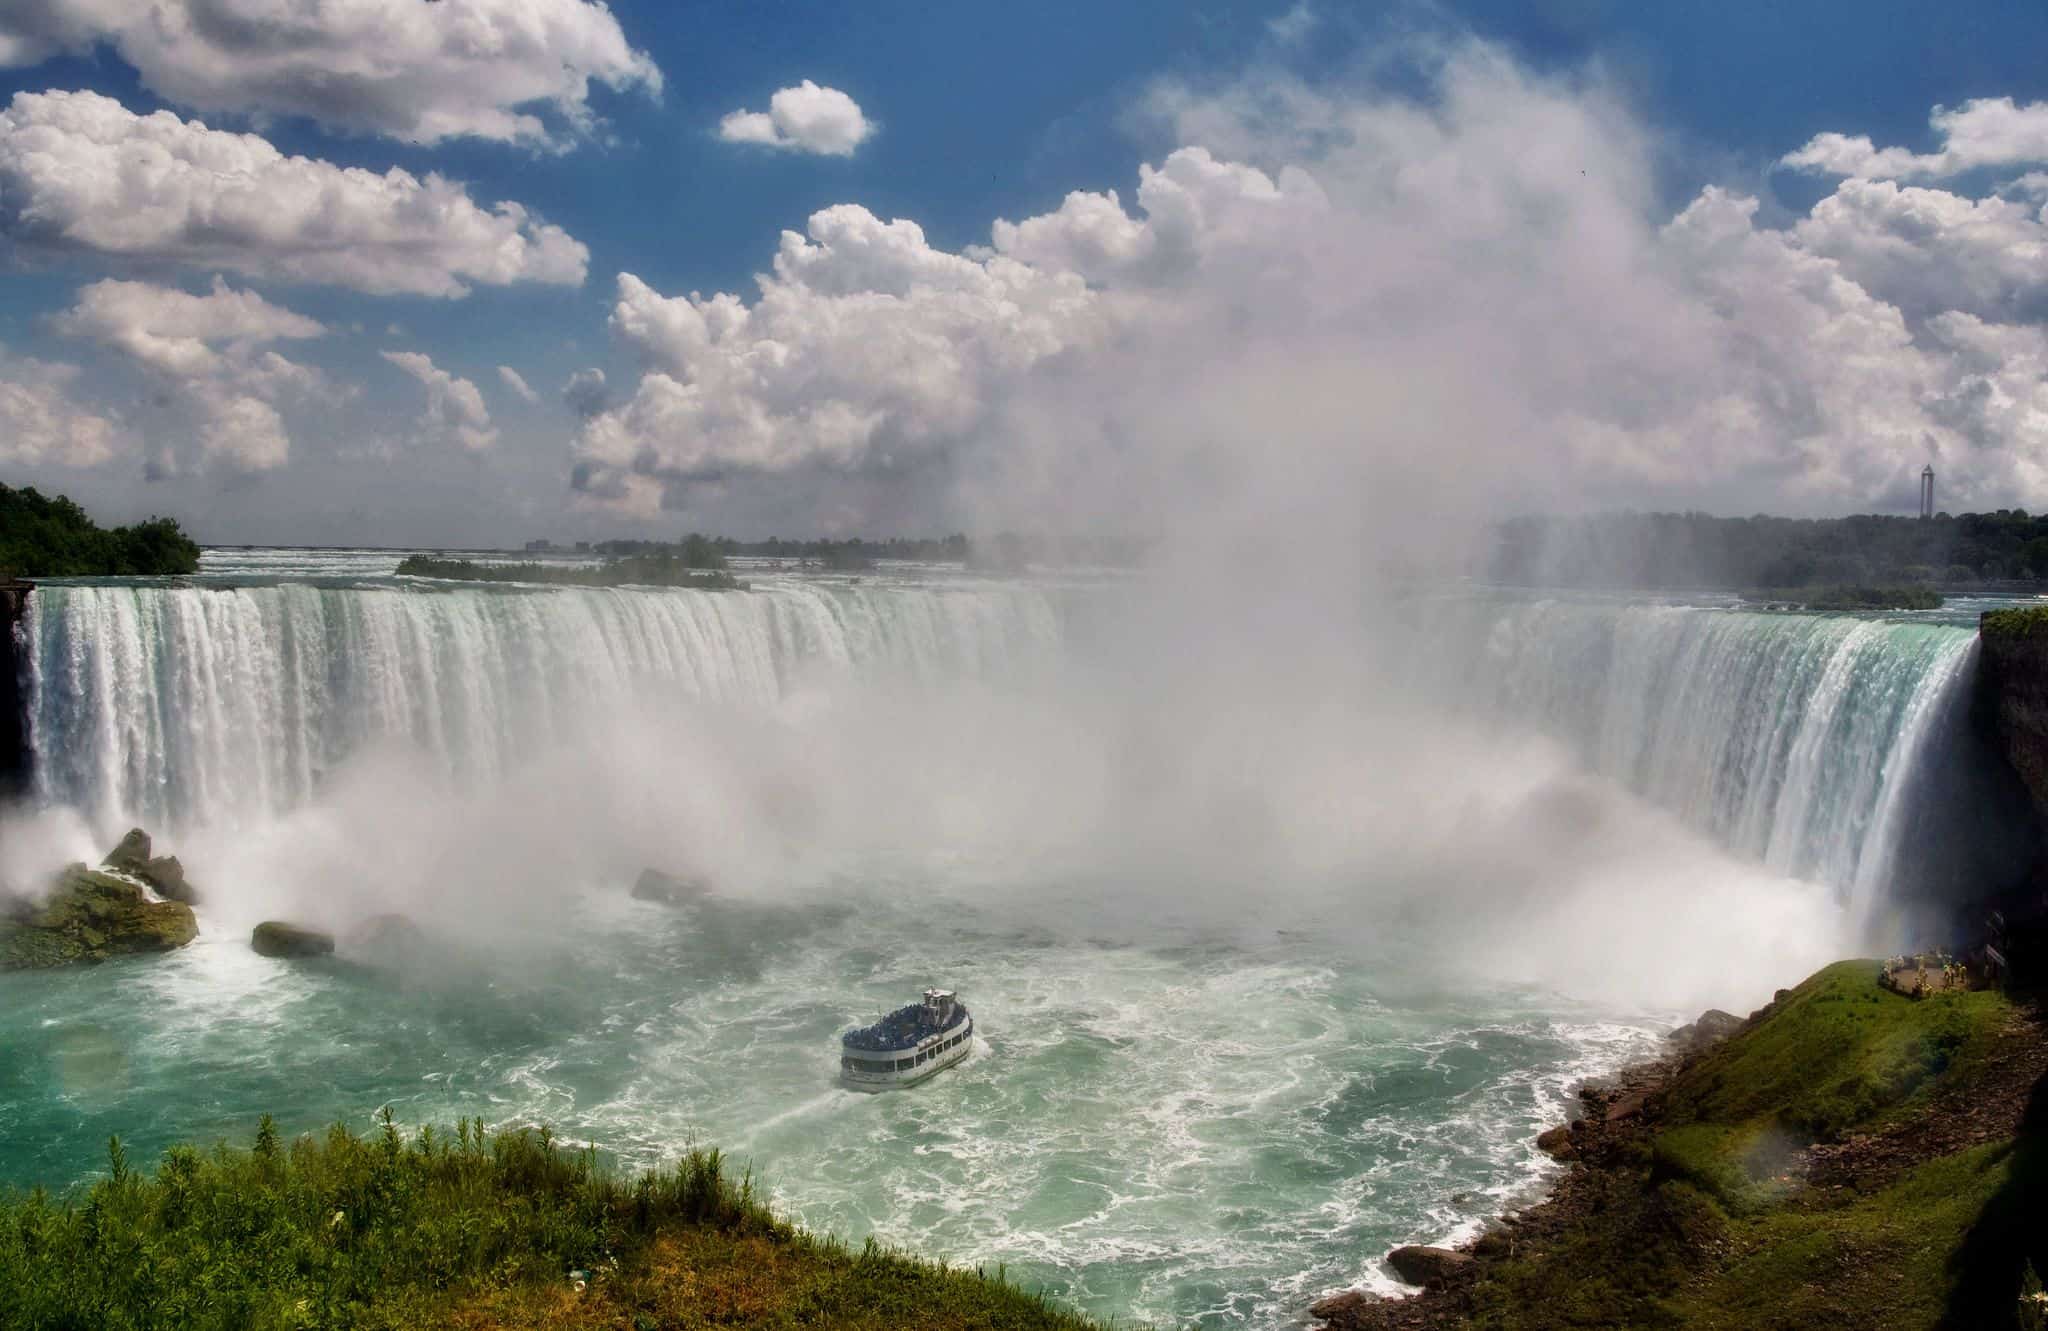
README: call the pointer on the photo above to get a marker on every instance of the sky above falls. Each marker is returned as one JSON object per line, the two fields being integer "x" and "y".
{"x": 471, "y": 271}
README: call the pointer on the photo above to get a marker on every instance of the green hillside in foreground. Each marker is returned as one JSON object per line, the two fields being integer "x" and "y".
{"x": 473, "y": 1230}
{"x": 1854, "y": 1158}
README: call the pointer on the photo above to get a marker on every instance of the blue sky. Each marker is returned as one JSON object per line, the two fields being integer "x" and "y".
{"x": 974, "y": 113}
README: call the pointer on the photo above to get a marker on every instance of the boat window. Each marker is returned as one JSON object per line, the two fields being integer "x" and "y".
{"x": 905, "y": 1064}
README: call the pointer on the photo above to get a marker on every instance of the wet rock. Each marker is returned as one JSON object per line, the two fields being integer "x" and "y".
{"x": 1626, "y": 1107}
{"x": 666, "y": 889}
{"x": 1422, "y": 1265}
{"x": 275, "y": 938}
{"x": 163, "y": 873}
{"x": 1339, "y": 1305}
{"x": 90, "y": 916}
{"x": 1557, "y": 1143}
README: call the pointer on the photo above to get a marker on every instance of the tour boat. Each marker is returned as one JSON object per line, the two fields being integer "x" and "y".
{"x": 908, "y": 1045}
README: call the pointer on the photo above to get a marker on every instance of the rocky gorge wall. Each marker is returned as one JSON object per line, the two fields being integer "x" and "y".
{"x": 14, "y": 755}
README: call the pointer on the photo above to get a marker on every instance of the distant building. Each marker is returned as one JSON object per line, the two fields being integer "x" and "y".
{"x": 1927, "y": 491}
{"x": 582, "y": 547}
{"x": 539, "y": 547}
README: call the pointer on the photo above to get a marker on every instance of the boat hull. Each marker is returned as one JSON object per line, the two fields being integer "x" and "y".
{"x": 863, "y": 1070}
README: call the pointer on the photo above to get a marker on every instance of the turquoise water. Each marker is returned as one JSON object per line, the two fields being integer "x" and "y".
{"x": 1209, "y": 1129}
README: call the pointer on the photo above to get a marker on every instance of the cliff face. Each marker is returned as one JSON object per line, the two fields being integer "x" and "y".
{"x": 2012, "y": 675}
{"x": 13, "y": 690}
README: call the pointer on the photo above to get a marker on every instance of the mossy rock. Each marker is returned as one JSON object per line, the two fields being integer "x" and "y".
{"x": 275, "y": 938}
{"x": 91, "y": 916}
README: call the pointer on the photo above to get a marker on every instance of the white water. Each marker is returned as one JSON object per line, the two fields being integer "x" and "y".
{"x": 191, "y": 706}
{"x": 1790, "y": 739}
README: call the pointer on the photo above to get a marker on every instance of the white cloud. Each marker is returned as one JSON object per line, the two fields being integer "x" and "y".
{"x": 1928, "y": 250}
{"x": 509, "y": 70}
{"x": 455, "y": 407}
{"x": 1297, "y": 23}
{"x": 81, "y": 174}
{"x": 210, "y": 352}
{"x": 175, "y": 331}
{"x": 517, "y": 383}
{"x": 1470, "y": 299}
{"x": 807, "y": 118}
{"x": 866, "y": 345}
{"x": 40, "y": 422}
{"x": 1985, "y": 132}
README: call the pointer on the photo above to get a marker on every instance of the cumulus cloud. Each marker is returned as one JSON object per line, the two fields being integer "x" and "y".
{"x": 510, "y": 70}
{"x": 1471, "y": 295}
{"x": 807, "y": 118}
{"x": 40, "y": 421}
{"x": 1984, "y": 132}
{"x": 80, "y": 174}
{"x": 455, "y": 407}
{"x": 586, "y": 392}
{"x": 211, "y": 352}
{"x": 866, "y": 345}
{"x": 517, "y": 383}
{"x": 1929, "y": 250}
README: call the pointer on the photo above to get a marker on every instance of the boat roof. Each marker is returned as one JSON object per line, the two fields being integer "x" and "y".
{"x": 904, "y": 1028}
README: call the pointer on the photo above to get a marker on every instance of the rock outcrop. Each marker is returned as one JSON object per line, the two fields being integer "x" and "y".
{"x": 2012, "y": 671}
{"x": 163, "y": 873}
{"x": 1421, "y": 1265}
{"x": 1713, "y": 1026}
{"x": 666, "y": 889}
{"x": 90, "y": 916}
{"x": 275, "y": 938}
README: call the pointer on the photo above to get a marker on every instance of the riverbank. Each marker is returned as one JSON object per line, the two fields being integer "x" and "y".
{"x": 1849, "y": 1157}
{"x": 468, "y": 1229}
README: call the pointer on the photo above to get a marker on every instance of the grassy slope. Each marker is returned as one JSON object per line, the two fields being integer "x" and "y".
{"x": 1709, "y": 1226}
{"x": 473, "y": 1230}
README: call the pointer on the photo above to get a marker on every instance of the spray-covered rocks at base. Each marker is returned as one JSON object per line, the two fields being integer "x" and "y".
{"x": 132, "y": 903}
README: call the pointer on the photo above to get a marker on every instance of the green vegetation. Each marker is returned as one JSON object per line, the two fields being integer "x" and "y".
{"x": 1710, "y": 1219}
{"x": 1851, "y": 598}
{"x": 472, "y": 1229}
{"x": 2014, "y": 624}
{"x": 1694, "y": 550}
{"x": 41, "y": 537}
{"x": 666, "y": 569}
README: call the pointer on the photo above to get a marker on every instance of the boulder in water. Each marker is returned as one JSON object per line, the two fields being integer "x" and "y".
{"x": 163, "y": 873}
{"x": 1421, "y": 1265}
{"x": 275, "y": 938}
{"x": 91, "y": 916}
{"x": 1557, "y": 1142}
{"x": 666, "y": 889}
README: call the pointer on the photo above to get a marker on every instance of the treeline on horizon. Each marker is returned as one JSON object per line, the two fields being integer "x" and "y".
{"x": 1697, "y": 550}
{"x": 1002, "y": 551}
{"x": 45, "y": 537}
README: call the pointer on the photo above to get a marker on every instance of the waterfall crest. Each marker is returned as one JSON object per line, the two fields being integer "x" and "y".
{"x": 1793, "y": 739}
{"x": 180, "y": 705}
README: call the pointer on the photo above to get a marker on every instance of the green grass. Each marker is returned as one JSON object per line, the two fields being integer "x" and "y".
{"x": 1839, "y": 1052}
{"x": 1707, "y": 1228}
{"x": 470, "y": 1229}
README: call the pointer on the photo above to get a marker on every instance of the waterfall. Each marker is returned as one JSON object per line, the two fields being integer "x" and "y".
{"x": 179, "y": 705}
{"x": 1795, "y": 739}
